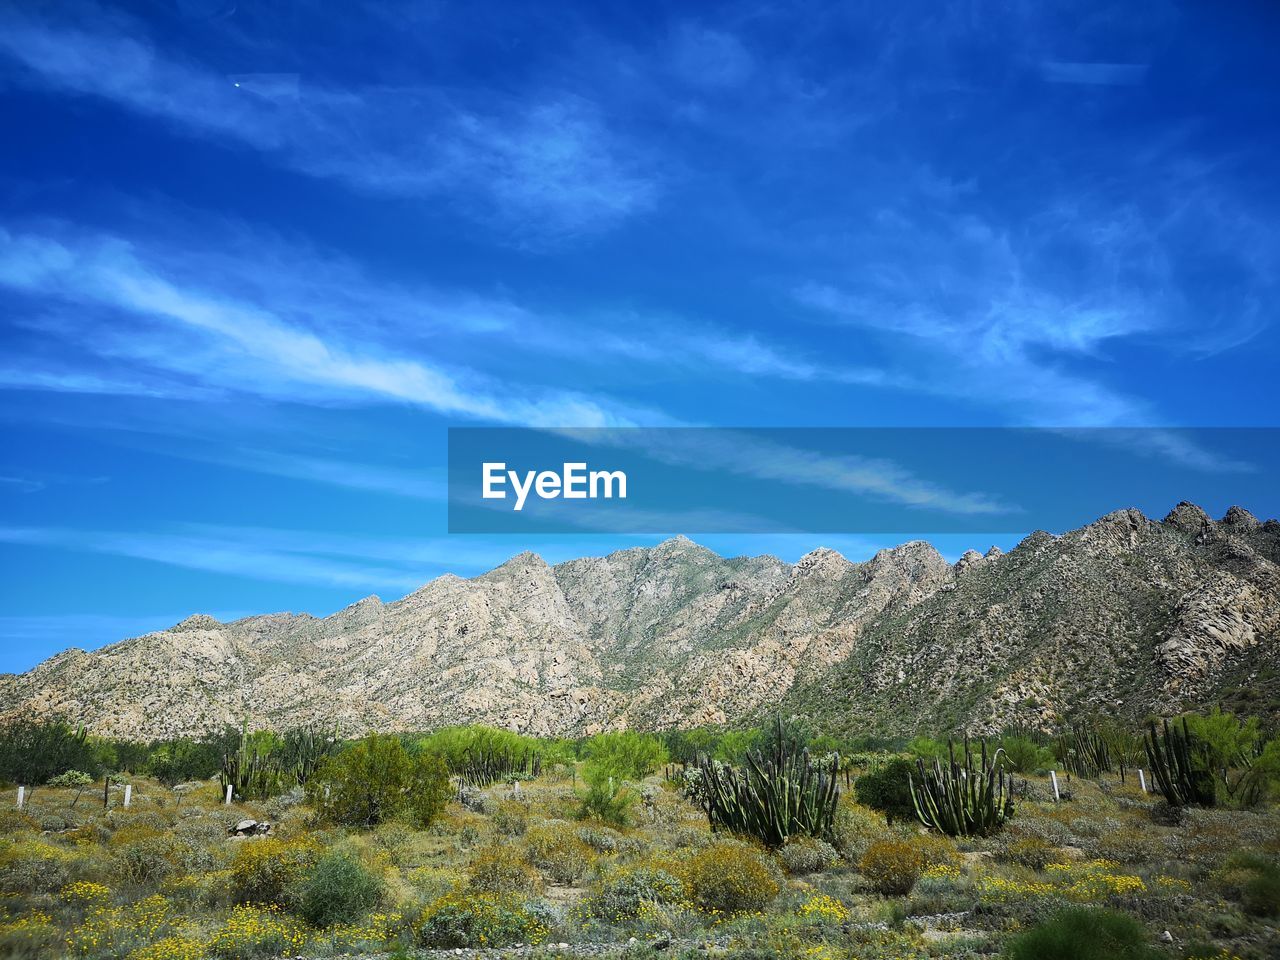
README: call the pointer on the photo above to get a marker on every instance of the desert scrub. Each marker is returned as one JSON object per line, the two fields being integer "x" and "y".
{"x": 148, "y": 859}
{"x": 555, "y": 849}
{"x": 378, "y": 930}
{"x": 31, "y": 934}
{"x": 107, "y": 930}
{"x": 254, "y": 931}
{"x": 1085, "y": 934}
{"x": 1096, "y": 880}
{"x": 265, "y": 869}
{"x": 824, "y": 909}
{"x": 170, "y": 948}
{"x": 1254, "y": 881}
{"x": 511, "y": 818}
{"x": 337, "y": 889}
{"x": 501, "y": 869}
{"x": 13, "y": 822}
{"x": 729, "y": 877}
{"x": 1129, "y": 845}
{"x": 626, "y": 890}
{"x": 804, "y": 855}
{"x": 85, "y": 893}
{"x": 1031, "y": 851}
{"x": 856, "y": 828}
{"x": 892, "y": 867}
{"x": 468, "y": 919}
{"x": 32, "y": 866}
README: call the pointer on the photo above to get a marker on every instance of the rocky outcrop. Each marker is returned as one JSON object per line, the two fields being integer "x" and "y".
{"x": 1124, "y": 616}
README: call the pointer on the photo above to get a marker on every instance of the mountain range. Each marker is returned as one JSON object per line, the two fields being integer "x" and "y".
{"x": 1125, "y": 617}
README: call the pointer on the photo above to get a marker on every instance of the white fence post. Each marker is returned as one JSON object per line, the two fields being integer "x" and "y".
{"x": 128, "y": 794}
{"x": 1142, "y": 780}
{"x": 22, "y": 797}
{"x": 1053, "y": 775}
{"x": 228, "y": 800}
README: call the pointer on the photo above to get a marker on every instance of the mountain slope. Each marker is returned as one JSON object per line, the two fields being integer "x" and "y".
{"x": 1125, "y": 615}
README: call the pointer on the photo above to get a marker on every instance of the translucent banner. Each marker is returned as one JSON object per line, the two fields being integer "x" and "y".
{"x": 846, "y": 480}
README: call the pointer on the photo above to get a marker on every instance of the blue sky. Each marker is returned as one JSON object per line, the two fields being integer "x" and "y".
{"x": 255, "y": 258}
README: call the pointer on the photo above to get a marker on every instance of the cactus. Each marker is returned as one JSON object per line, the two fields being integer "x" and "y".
{"x": 306, "y": 748}
{"x": 960, "y": 799}
{"x": 779, "y": 793}
{"x": 1179, "y": 777}
{"x": 1084, "y": 752}
{"x": 251, "y": 771}
{"x": 485, "y": 765}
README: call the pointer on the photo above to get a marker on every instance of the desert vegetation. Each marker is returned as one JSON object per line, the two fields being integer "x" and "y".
{"x": 1091, "y": 842}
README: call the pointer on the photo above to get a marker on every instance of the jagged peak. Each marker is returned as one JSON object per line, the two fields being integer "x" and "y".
{"x": 524, "y": 563}
{"x": 679, "y": 544}
{"x": 1127, "y": 516}
{"x": 822, "y": 558}
{"x": 912, "y": 550}
{"x": 968, "y": 559}
{"x": 1240, "y": 517}
{"x": 994, "y": 553}
{"x": 1186, "y": 516}
{"x": 197, "y": 621}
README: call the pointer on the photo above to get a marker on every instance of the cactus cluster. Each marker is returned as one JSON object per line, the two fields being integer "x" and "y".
{"x": 780, "y": 792}
{"x": 1178, "y": 773}
{"x": 963, "y": 799}
{"x": 482, "y": 766}
{"x": 260, "y": 765}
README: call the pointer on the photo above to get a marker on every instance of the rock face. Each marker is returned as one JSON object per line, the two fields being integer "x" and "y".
{"x": 1126, "y": 615}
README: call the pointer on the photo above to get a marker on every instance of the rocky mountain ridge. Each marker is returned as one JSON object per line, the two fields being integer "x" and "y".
{"x": 1126, "y": 615}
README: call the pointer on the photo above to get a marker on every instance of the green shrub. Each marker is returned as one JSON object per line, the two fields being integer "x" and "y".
{"x": 607, "y": 798}
{"x": 624, "y": 891}
{"x": 892, "y": 867}
{"x": 625, "y": 755}
{"x": 887, "y": 788}
{"x": 1254, "y": 880}
{"x": 376, "y": 780}
{"x": 730, "y": 878}
{"x": 1024, "y": 755}
{"x": 337, "y": 889}
{"x": 1081, "y": 933}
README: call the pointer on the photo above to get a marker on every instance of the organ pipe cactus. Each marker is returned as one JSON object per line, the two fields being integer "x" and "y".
{"x": 251, "y": 770}
{"x": 1084, "y": 752}
{"x": 963, "y": 800}
{"x": 483, "y": 766}
{"x": 1179, "y": 777}
{"x": 780, "y": 792}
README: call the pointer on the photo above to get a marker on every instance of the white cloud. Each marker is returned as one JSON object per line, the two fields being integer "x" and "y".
{"x": 539, "y": 168}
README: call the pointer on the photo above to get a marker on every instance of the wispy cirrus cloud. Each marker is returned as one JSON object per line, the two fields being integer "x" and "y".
{"x": 388, "y": 565}
{"x": 541, "y": 167}
{"x": 300, "y": 559}
{"x": 184, "y": 328}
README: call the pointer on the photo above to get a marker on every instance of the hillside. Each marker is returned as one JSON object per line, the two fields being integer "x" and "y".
{"x": 1125, "y": 615}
